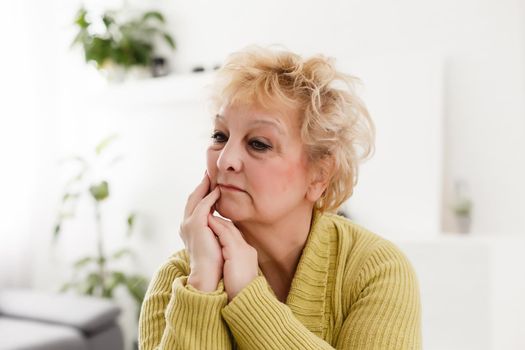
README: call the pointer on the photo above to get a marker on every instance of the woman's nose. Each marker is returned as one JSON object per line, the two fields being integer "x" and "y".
{"x": 230, "y": 158}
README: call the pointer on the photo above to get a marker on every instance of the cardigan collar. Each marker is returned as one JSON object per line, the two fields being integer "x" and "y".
{"x": 308, "y": 291}
{"x": 307, "y": 295}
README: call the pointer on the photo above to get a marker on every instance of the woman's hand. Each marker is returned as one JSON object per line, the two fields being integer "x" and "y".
{"x": 240, "y": 258}
{"x": 206, "y": 261}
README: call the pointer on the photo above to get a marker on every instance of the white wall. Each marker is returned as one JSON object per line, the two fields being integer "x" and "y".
{"x": 471, "y": 290}
{"x": 399, "y": 193}
{"x": 26, "y": 133}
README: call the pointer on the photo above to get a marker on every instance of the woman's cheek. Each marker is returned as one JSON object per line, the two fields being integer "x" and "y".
{"x": 290, "y": 177}
{"x": 211, "y": 166}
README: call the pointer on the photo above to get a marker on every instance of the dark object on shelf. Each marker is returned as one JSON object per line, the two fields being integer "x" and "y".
{"x": 198, "y": 69}
{"x": 159, "y": 67}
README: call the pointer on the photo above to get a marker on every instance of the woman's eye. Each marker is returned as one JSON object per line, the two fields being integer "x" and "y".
{"x": 219, "y": 137}
{"x": 259, "y": 146}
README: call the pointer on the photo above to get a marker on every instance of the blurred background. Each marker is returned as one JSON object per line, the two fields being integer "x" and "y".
{"x": 104, "y": 122}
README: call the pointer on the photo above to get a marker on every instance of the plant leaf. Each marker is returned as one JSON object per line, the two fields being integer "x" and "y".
{"x": 92, "y": 281}
{"x": 79, "y": 38}
{"x": 105, "y": 143}
{"x": 83, "y": 262}
{"x": 169, "y": 40}
{"x": 121, "y": 253}
{"x": 116, "y": 278}
{"x": 56, "y": 231}
{"x": 98, "y": 49}
{"x": 80, "y": 18}
{"x": 131, "y": 223}
{"x": 108, "y": 20}
{"x": 154, "y": 15}
{"x": 68, "y": 196}
{"x": 77, "y": 178}
{"x": 137, "y": 286}
{"x": 100, "y": 191}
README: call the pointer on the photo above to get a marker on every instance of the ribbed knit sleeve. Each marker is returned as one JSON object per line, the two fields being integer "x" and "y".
{"x": 386, "y": 312}
{"x": 175, "y": 315}
{"x": 258, "y": 320}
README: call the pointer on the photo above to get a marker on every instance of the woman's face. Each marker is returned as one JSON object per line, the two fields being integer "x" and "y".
{"x": 256, "y": 157}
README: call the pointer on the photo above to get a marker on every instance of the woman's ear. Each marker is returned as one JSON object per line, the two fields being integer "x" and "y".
{"x": 320, "y": 176}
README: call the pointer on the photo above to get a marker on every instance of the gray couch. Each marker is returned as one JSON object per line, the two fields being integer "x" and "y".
{"x": 45, "y": 321}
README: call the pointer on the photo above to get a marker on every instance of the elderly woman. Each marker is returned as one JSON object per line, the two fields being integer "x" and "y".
{"x": 277, "y": 269}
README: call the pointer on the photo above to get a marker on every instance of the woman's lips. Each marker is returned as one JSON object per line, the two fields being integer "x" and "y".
{"x": 230, "y": 188}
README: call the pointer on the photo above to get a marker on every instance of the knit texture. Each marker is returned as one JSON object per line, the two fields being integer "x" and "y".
{"x": 352, "y": 290}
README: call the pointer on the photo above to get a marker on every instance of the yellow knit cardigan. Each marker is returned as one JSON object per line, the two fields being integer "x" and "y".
{"x": 352, "y": 290}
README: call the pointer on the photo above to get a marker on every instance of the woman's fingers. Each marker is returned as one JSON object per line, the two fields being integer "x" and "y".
{"x": 225, "y": 230}
{"x": 225, "y": 238}
{"x": 195, "y": 197}
{"x": 204, "y": 206}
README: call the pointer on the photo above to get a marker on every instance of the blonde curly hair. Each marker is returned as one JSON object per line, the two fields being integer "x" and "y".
{"x": 336, "y": 128}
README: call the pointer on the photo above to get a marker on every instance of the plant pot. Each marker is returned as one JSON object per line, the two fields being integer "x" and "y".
{"x": 113, "y": 73}
{"x": 138, "y": 73}
{"x": 463, "y": 223}
{"x": 116, "y": 73}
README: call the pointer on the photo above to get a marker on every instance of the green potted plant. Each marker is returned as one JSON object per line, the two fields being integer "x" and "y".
{"x": 462, "y": 207}
{"x": 122, "y": 44}
{"x": 95, "y": 274}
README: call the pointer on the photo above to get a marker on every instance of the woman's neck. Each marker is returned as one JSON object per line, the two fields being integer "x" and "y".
{"x": 280, "y": 244}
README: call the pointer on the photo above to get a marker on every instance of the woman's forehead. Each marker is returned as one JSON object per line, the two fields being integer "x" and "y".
{"x": 281, "y": 117}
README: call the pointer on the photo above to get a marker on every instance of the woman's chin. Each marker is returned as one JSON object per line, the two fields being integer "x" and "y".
{"x": 228, "y": 211}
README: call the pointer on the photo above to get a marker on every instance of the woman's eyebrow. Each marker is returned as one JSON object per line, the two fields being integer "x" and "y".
{"x": 277, "y": 126}
{"x": 271, "y": 123}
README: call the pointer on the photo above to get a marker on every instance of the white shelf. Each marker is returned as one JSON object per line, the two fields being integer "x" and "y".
{"x": 172, "y": 89}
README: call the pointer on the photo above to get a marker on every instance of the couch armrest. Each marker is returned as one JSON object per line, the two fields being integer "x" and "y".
{"x": 88, "y": 314}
